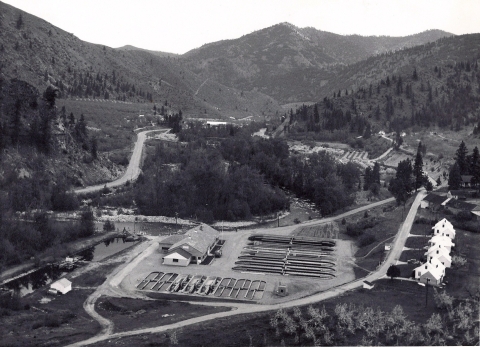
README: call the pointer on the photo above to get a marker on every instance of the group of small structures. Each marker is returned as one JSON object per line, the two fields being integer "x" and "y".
{"x": 241, "y": 289}
{"x": 438, "y": 254}
{"x": 288, "y": 255}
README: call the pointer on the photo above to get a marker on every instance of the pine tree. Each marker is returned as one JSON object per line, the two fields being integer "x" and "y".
{"x": 316, "y": 115}
{"x": 418, "y": 168}
{"x": 461, "y": 159}
{"x": 19, "y": 22}
{"x": 454, "y": 178}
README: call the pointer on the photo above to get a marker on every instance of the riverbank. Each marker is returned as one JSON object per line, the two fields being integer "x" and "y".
{"x": 51, "y": 255}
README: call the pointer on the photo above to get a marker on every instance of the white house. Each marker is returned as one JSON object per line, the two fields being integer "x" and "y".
{"x": 444, "y": 228}
{"x": 194, "y": 247}
{"x": 441, "y": 254}
{"x": 442, "y": 241}
{"x": 62, "y": 286}
{"x": 429, "y": 273}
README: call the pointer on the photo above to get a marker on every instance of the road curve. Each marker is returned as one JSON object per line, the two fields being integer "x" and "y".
{"x": 392, "y": 258}
{"x": 133, "y": 169}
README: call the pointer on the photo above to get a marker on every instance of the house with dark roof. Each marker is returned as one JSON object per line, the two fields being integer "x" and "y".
{"x": 192, "y": 247}
{"x": 457, "y": 194}
{"x": 433, "y": 201}
{"x": 457, "y": 205}
{"x": 467, "y": 180}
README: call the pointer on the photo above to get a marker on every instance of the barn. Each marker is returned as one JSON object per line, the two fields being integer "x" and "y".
{"x": 192, "y": 247}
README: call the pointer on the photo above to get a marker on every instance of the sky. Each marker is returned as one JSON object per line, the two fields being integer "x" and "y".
{"x": 177, "y": 26}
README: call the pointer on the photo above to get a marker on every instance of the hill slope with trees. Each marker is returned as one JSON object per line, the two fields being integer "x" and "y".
{"x": 41, "y": 54}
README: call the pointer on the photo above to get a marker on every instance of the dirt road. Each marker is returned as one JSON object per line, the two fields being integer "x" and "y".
{"x": 393, "y": 256}
{"x": 133, "y": 169}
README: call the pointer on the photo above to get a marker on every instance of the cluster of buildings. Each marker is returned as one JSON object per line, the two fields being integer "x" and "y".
{"x": 438, "y": 254}
{"x": 454, "y": 201}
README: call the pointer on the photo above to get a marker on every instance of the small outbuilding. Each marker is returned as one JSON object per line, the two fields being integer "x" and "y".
{"x": 368, "y": 285}
{"x": 61, "y": 286}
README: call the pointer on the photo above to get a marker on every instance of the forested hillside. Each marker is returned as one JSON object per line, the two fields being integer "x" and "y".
{"x": 41, "y": 54}
{"x": 446, "y": 95}
{"x": 292, "y": 64}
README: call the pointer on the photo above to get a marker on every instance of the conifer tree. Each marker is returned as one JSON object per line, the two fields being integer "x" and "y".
{"x": 461, "y": 159}
{"x": 418, "y": 168}
{"x": 454, "y": 178}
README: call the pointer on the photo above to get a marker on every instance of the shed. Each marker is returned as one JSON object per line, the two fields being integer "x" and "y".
{"x": 62, "y": 286}
{"x": 368, "y": 285}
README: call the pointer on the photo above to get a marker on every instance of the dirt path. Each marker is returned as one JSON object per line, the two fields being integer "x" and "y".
{"x": 393, "y": 256}
{"x": 133, "y": 169}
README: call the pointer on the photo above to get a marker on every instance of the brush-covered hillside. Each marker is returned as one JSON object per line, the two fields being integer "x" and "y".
{"x": 44, "y": 151}
{"x": 430, "y": 89}
{"x": 289, "y": 63}
{"x": 41, "y": 54}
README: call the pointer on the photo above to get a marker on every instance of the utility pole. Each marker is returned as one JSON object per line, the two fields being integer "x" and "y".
{"x": 426, "y": 292}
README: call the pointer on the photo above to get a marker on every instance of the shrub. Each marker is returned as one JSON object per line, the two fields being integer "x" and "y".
{"x": 344, "y": 221}
{"x": 354, "y": 230}
{"x": 366, "y": 240}
{"x": 464, "y": 216}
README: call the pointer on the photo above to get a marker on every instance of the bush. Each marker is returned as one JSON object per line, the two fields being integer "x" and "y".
{"x": 464, "y": 216}
{"x": 344, "y": 221}
{"x": 366, "y": 240}
{"x": 354, "y": 230}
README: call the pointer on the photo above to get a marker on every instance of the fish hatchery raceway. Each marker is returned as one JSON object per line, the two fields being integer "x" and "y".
{"x": 297, "y": 286}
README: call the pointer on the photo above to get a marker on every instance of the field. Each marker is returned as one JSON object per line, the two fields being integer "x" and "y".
{"x": 327, "y": 230}
{"x": 441, "y": 142}
{"x": 255, "y": 329}
{"x": 128, "y": 314}
{"x": 111, "y": 123}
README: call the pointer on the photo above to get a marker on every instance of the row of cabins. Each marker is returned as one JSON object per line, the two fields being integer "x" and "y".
{"x": 192, "y": 247}
{"x": 438, "y": 254}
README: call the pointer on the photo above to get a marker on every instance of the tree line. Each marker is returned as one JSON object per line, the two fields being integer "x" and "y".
{"x": 234, "y": 176}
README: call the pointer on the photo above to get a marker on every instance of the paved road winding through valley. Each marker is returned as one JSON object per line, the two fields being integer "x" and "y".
{"x": 133, "y": 169}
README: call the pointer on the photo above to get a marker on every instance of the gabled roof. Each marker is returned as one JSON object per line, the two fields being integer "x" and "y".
{"x": 457, "y": 192}
{"x": 197, "y": 240}
{"x": 63, "y": 283}
{"x": 437, "y": 252}
{"x": 437, "y": 264}
{"x": 461, "y": 205}
{"x": 172, "y": 239}
{"x": 443, "y": 224}
{"x": 435, "y": 198}
{"x": 436, "y": 272}
{"x": 441, "y": 240}
{"x": 179, "y": 251}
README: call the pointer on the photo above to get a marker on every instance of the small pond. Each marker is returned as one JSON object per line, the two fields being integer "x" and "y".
{"x": 105, "y": 249}
{"x": 48, "y": 274}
